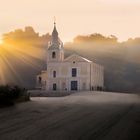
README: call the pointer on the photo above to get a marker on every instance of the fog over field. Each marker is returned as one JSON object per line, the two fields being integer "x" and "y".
{"x": 23, "y": 56}
{"x": 80, "y": 116}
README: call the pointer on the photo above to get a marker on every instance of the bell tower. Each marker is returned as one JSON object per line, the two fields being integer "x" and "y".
{"x": 55, "y": 52}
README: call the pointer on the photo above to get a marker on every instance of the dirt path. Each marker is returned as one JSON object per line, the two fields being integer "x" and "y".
{"x": 81, "y": 116}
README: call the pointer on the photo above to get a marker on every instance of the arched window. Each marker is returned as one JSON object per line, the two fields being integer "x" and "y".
{"x": 54, "y": 73}
{"x": 39, "y": 79}
{"x": 53, "y": 55}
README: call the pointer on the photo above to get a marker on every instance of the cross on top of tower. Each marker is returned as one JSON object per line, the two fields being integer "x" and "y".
{"x": 54, "y": 20}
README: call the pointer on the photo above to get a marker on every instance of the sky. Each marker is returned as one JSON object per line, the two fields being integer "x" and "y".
{"x": 73, "y": 17}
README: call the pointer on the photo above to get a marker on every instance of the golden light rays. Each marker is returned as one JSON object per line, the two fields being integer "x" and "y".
{"x": 13, "y": 54}
{"x": 3, "y": 65}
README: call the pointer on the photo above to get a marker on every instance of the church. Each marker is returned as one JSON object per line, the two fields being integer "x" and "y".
{"x": 73, "y": 73}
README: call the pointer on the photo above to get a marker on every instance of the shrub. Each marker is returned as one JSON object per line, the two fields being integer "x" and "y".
{"x": 9, "y": 94}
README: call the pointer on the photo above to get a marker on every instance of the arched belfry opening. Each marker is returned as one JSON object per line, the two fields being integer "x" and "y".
{"x": 53, "y": 54}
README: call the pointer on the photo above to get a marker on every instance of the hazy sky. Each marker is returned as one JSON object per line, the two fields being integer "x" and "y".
{"x": 117, "y": 17}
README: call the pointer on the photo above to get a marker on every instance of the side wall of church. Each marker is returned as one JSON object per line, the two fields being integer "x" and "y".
{"x": 97, "y": 76}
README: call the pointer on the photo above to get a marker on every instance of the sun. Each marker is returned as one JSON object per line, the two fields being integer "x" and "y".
{"x": 1, "y": 41}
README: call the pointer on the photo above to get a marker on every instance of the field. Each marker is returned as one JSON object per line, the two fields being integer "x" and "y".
{"x": 80, "y": 116}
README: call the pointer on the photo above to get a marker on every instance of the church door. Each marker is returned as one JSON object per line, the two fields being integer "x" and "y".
{"x": 74, "y": 85}
{"x": 54, "y": 86}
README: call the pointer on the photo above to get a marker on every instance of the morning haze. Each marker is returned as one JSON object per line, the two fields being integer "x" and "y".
{"x": 23, "y": 55}
{"x": 78, "y": 77}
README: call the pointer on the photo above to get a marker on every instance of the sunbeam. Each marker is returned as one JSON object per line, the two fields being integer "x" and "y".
{"x": 13, "y": 54}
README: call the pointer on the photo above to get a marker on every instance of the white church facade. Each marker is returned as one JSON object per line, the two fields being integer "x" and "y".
{"x": 73, "y": 73}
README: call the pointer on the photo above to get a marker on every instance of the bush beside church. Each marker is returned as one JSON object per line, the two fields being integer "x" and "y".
{"x": 9, "y": 95}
